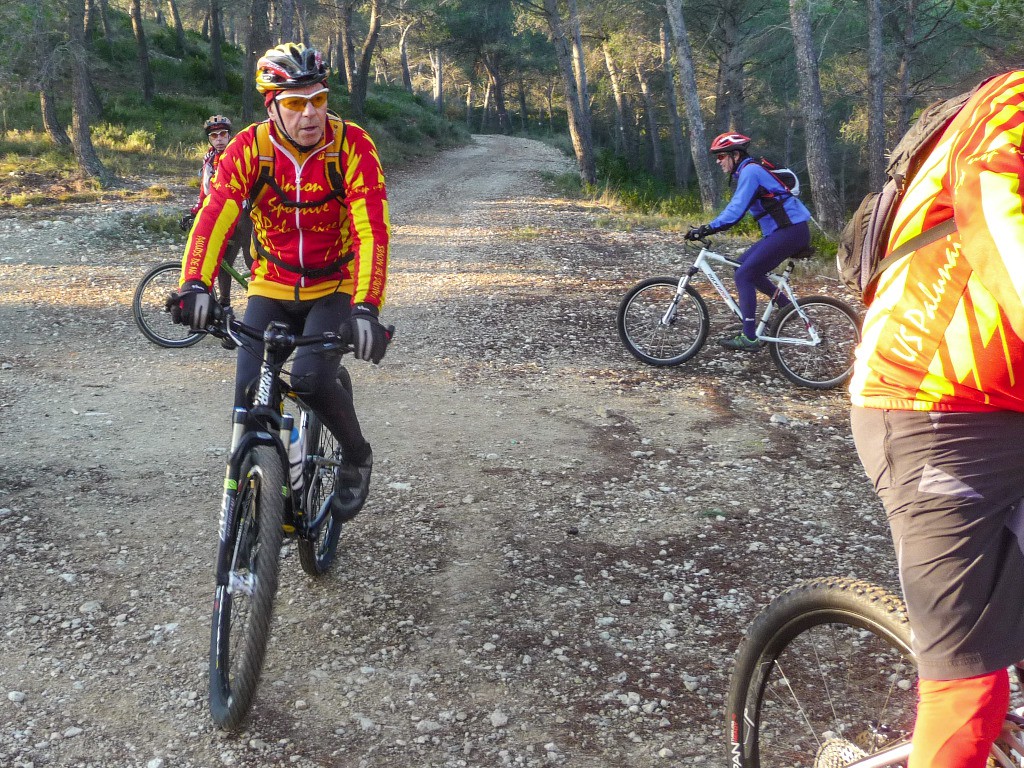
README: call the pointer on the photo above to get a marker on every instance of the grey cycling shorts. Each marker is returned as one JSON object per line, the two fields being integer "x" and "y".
{"x": 952, "y": 485}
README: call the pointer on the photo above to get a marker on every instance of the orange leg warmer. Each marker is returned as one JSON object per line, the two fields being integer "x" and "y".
{"x": 957, "y": 720}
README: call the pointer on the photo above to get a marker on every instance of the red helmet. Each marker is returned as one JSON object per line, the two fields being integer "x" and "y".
{"x": 729, "y": 142}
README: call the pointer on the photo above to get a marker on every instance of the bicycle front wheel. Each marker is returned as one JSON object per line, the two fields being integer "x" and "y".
{"x": 148, "y": 308}
{"x": 317, "y": 553}
{"x": 660, "y": 329}
{"x": 824, "y": 676}
{"x": 243, "y": 608}
{"x": 828, "y": 363}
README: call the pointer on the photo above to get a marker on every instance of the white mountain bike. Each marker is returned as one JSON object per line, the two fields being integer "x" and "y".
{"x": 665, "y": 321}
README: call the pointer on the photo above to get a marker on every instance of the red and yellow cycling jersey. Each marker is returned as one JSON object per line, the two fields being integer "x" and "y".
{"x": 945, "y": 330}
{"x": 313, "y": 242}
{"x": 206, "y": 173}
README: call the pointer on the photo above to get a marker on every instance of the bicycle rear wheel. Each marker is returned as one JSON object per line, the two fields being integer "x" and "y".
{"x": 316, "y": 554}
{"x": 148, "y": 308}
{"x": 828, "y": 363}
{"x": 643, "y": 327}
{"x": 824, "y": 676}
{"x": 243, "y": 609}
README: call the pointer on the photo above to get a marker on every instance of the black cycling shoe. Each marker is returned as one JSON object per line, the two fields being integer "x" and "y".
{"x": 351, "y": 487}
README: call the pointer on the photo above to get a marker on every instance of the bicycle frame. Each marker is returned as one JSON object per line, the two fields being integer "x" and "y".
{"x": 1009, "y": 743}
{"x": 238, "y": 276}
{"x": 703, "y": 264}
{"x": 265, "y": 423}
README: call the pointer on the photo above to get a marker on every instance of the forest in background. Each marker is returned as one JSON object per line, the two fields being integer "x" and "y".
{"x": 636, "y": 88}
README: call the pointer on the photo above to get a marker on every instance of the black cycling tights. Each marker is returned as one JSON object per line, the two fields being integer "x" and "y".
{"x": 314, "y": 371}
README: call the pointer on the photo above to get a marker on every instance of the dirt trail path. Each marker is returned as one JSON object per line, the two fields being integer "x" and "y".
{"x": 561, "y": 549}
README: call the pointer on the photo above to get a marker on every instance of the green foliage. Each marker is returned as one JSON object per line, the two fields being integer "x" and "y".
{"x": 403, "y": 126}
{"x": 164, "y": 137}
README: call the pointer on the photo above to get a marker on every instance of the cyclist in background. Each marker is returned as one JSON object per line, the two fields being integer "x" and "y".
{"x": 781, "y": 216}
{"x": 938, "y": 420}
{"x": 218, "y": 133}
{"x": 320, "y": 246}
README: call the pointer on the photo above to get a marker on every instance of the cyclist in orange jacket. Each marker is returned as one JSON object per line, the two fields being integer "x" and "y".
{"x": 320, "y": 245}
{"x": 938, "y": 419}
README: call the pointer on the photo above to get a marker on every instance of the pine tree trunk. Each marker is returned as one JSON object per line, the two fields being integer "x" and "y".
{"x": 579, "y": 118}
{"x": 346, "y": 46}
{"x": 694, "y": 119}
{"x": 680, "y": 157}
{"x": 220, "y": 78}
{"x": 85, "y": 154}
{"x": 142, "y": 51}
{"x": 357, "y": 86}
{"x": 904, "y": 98}
{"x": 876, "y": 97}
{"x": 657, "y": 165}
{"x": 623, "y": 144}
{"x": 51, "y": 124}
{"x": 498, "y": 89}
{"x": 179, "y": 30}
{"x": 437, "y": 75}
{"x": 729, "y": 96}
{"x": 105, "y": 20}
{"x": 486, "y": 112}
{"x": 823, "y": 185}
{"x": 578, "y": 63}
{"x": 403, "y": 57}
{"x": 257, "y": 42}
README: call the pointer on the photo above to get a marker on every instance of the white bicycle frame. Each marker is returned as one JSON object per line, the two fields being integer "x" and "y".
{"x": 703, "y": 264}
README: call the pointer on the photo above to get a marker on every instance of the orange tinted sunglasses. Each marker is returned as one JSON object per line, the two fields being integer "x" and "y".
{"x": 297, "y": 102}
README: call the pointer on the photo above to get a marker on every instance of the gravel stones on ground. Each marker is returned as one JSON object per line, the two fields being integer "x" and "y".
{"x": 562, "y": 546}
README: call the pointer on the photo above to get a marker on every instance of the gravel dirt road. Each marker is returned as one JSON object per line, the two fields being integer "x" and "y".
{"x": 561, "y": 549}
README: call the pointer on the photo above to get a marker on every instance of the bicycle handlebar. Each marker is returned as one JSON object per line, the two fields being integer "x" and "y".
{"x": 276, "y": 335}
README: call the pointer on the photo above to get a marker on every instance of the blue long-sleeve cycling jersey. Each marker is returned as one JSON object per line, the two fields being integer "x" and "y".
{"x": 769, "y": 201}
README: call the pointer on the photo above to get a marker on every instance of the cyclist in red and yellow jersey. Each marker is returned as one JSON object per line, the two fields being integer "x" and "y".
{"x": 938, "y": 419}
{"x": 218, "y": 134}
{"x": 321, "y": 228}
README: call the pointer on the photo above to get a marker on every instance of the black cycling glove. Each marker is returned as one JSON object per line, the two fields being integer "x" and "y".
{"x": 369, "y": 337}
{"x": 699, "y": 233}
{"x": 190, "y": 305}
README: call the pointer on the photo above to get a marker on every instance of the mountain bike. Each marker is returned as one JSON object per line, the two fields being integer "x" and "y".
{"x": 151, "y": 295}
{"x": 825, "y": 678}
{"x": 664, "y": 321}
{"x": 263, "y": 502}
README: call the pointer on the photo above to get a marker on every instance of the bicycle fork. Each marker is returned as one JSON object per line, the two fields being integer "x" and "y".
{"x": 242, "y": 441}
{"x": 669, "y": 317}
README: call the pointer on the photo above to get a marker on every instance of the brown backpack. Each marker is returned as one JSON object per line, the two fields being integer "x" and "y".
{"x": 861, "y": 257}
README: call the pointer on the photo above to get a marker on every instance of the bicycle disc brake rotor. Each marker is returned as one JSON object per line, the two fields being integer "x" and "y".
{"x": 836, "y": 753}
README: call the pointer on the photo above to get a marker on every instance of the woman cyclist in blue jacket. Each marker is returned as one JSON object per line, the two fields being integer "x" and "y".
{"x": 784, "y": 228}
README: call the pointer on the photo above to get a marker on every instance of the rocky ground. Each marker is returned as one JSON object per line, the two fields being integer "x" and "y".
{"x": 562, "y": 547}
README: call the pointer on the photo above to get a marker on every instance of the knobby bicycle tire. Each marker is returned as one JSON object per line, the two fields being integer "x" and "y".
{"x": 824, "y": 675}
{"x": 317, "y": 554}
{"x": 148, "y": 308}
{"x": 829, "y": 363}
{"x": 243, "y": 610}
{"x": 641, "y": 328}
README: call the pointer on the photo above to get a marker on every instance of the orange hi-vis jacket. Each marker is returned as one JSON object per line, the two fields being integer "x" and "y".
{"x": 945, "y": 330}
{"x": 317, "y": 239}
